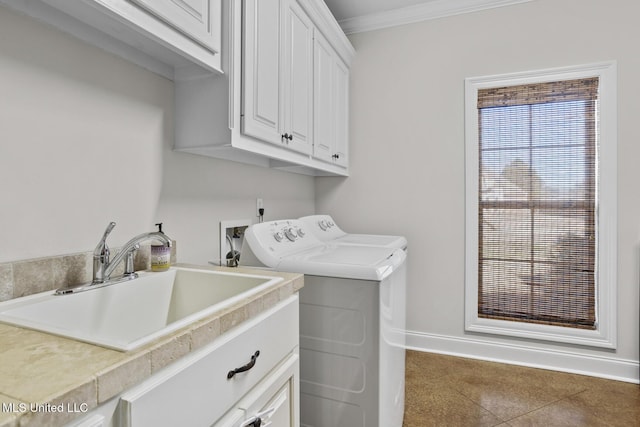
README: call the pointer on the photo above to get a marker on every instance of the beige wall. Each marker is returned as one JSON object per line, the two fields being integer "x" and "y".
{"x": 407, "y": 146}
{"x": 86, "y": 139}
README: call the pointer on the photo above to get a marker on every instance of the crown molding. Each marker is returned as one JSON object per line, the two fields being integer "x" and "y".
{"x": 420, "y": 12}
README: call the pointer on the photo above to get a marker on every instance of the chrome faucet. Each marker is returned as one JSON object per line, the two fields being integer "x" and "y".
{"x": 103, "y": 267}
{"x": 127, "y": 252}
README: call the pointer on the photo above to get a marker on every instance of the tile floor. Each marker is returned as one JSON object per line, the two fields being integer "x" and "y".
{"x": 446, "y": 391}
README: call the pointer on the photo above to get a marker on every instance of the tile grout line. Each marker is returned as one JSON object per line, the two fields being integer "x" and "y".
{"x": 560, "y": 399}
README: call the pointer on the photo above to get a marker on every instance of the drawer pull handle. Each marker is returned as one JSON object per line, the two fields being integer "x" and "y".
{"x": 244, "y": 368}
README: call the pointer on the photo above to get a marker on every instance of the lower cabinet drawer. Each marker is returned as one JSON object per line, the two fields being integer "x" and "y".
{"x": 199, "y": 388}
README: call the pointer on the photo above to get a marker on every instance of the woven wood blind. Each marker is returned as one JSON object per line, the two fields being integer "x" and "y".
{"x": 537, "y": 198}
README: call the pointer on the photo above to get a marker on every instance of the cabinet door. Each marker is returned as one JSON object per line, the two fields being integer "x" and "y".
{"x": 275, "y": 402}
{"x": 199, "y": 19}
{"x": 279, "y": 410}
{"x": 261, "y": 68}
{"x": 298, "y": 78}
{"x": 341, "y": 111}
{"x": 323, "y": 95}
{"x": 331, "y": 104}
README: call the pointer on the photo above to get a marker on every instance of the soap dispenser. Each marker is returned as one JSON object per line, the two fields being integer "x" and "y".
{"x": 160, "y": 255}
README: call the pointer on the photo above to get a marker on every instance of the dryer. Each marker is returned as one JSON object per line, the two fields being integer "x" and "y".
{"x": 352, "y": 322}
{"x": 325, "y": 229}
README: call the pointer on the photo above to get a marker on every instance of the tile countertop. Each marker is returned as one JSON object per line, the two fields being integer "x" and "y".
{"x": 43, "y": 374}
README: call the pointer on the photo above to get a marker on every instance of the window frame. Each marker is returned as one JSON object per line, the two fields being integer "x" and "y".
{"x": 605, "y": 334}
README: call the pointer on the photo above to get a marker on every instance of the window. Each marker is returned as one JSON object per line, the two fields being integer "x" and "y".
{"x": 540, "y": 229}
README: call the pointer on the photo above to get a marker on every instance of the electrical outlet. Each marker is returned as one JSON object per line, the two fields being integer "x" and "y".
{"x": 259, "y": 205}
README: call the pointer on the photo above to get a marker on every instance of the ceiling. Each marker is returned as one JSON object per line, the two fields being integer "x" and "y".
{"x": 365, "y": 15}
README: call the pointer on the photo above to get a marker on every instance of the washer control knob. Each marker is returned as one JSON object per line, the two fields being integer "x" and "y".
{"x": 323, "y": 225}
{"x": 278, "y": 236}
{"x": 301, "y": 232}
{"x": 291, "y": 233}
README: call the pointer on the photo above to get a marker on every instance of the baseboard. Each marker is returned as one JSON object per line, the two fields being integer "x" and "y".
{"x": 523, "y": 355}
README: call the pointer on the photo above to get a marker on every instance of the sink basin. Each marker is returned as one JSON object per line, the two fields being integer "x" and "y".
{"x": 127, "y": 315}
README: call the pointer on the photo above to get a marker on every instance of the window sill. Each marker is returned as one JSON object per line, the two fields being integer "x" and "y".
{"x": 582, "y": 337}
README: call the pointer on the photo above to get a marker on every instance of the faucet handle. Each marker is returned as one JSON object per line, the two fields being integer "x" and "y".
{"x": 108, "y": 230}
{"x": 101, "y": 256}
{"x": 101, "y": 248}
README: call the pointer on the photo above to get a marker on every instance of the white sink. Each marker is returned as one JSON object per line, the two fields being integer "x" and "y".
{"x": 127, "y": 315}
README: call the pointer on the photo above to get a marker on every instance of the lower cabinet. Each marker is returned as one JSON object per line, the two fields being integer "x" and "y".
{"x": 248, "y": 373}
{"x": 274, "y": 402}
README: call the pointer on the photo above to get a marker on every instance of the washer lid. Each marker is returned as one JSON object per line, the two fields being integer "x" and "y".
{"x": 325, "y": 229}
{"x": 349, "y": 262}
{"x": 386, "y": 241}
{"x": 347, "y": 255}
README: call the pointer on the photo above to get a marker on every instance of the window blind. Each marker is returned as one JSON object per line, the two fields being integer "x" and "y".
{"x": 537, "y": 202}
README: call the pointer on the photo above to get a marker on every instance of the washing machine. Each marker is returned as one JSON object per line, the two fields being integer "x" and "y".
{"x": 325, "y": 229}
{"x": 352, "y": 322}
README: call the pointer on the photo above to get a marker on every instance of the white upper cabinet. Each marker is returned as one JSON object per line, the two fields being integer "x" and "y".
{"x": 323, "y": 99}
{"x": 283, "y": 99}
{"x": 298, "y": 78}
{"x": 261, "y": 63}
{"x": 263, "y": 82}
{"x": 340, "y": 154}
{"x": 199, "y": 19}
{"x": 167, "y": 37}
{"x": 277, "y": 61}
{"x": 331, "y": 104}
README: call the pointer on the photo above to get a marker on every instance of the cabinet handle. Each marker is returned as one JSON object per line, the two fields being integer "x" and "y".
{"x": 336, "y": 156}
{"x": 287, "y": 137}
{"x": 244, "y": 368}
